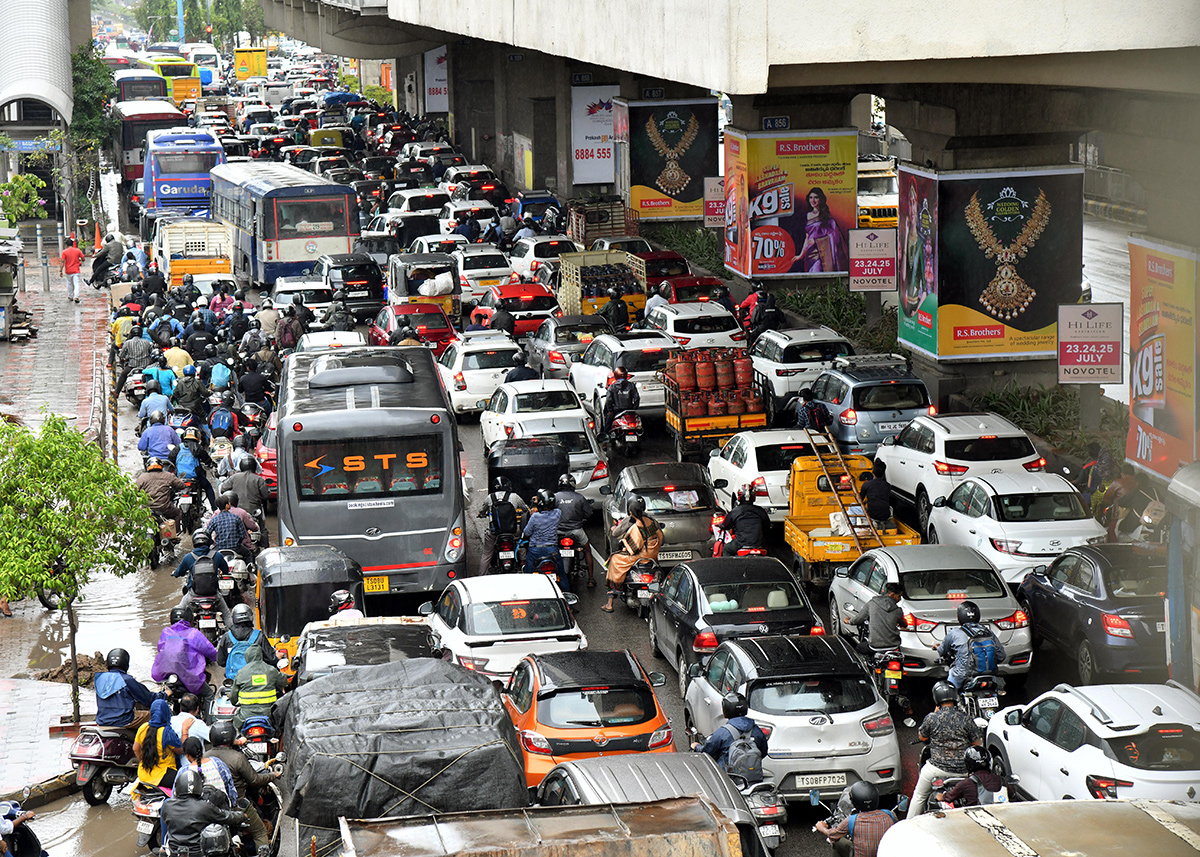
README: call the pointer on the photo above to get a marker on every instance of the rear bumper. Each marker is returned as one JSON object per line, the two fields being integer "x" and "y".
{"x": 1118, "y": 655}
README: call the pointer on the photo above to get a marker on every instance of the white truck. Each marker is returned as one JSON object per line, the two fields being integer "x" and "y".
{"x": 191, "y": 245}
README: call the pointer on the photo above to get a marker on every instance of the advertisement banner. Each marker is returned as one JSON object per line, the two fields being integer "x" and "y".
{"x": 1162, "y": 351}
{"x": 437, "y": 88}
{"x": 714, "y": 202}
{"x": 592, "y": 133}
{"x": 918, "y": 236}
{"x": 791, "y": 200}
{"x": 669, "y": 147}
{"x": 1090, "y": 339}
{"x": 872, "y": 260}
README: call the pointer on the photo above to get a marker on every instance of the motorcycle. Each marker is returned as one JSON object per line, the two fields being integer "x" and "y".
{"x": 238, "y": 582}
{"x": 887, "y": 670}
{"x": 261, "y": 740}
{"x": 845, "y": 807}
{"x": 147, "y": 807}
{"x": 208, "y": 617}
{"x": 103, "y": 757}
{"x": 763, "y": 799}
{"x": 636, "y": 588}
{"x": 166, "y": 538}
{"x": 722, "y": 537}
{"x": 22, "y": 842}
{"x": 220, "y": 708}
{"x": 191, "y": 504}
{"x": 180, "y": 420}
{"x": 551, "y": 565}
{"x": 626, "y": 433}
{"x": 981, "y": 697}
{"x": 571, "y": 568}
{"x": 135, "y": 389}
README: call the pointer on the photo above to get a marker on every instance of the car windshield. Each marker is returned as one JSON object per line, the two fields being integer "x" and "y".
{"x": 356, "y": 275}
{"x": 546, "y": 400}
{"x": 488, "y": 360}
{"x": 1040, "y": 506}
{"x": 482, "y": 261}
{"x": 815, "y": 352}
{"x": 1163, "y": 748}
{"x": 1147, "y": 578}
{"x": 779, "y": 456}
{"x": 756, "y": 597}
{"x": 529, "y": 303}
{"x": 597, "y": 706}
{"x": 657, "y": 269}
{"x": 423, "y": 321}
{"x": 676, "y": 498}
{"x": 825, "y": 695}
{"x": 517, "y": 617}
{"x": 552, "y": 249}
{"x": 990, "y": 448}
{"x": 646, "y": 360}
{"x": 951, "y": 584}
{"x": 890, "y": 397}
{"x": 706, "y": 324}
{"x": 372, "y": 246}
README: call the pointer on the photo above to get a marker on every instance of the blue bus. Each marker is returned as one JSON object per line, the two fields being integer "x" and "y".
{"x": 283, "y": 218}
{"x": 177, "y": 163}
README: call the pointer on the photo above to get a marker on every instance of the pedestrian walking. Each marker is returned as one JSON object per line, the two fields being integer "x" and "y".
{"x": 69, "y": 264}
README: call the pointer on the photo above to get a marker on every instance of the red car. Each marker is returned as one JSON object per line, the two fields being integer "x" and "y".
{"x": 427, "y": 319}
{"x": 664, "y": 265}
{"x": 690, "y": 290}
{"x": 264, "y": 450}
{"x": 529, "y": 303}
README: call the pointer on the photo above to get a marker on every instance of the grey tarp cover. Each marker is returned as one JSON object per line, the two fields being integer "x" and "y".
{"x": 405, "y": 738}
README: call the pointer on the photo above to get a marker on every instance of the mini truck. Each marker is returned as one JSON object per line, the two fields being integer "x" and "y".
{"x": 192, "y": 245}
{"x": 585, "y": 278}
{"x": 826, "y": 524}
{"x": 697, "y": 433}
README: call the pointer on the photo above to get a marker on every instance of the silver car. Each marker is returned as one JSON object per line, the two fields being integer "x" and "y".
{"x": 588, "y": 468}
{"x": 554, "y": 346}
{"x": 679, "y": 496}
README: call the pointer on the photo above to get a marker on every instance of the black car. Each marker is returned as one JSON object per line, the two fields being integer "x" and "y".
{"x": 359, "y": 276}
{"x": 702, "y": 603}
{"x": 378, "y": 166}
{"x": 494, "y": 191}
{"x": 369, "y": 190}
{"x": 1103, "y": 606}
{"x": 346, "y": 175}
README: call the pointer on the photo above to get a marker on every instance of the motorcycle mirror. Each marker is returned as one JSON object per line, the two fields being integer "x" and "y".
{"x": 425, "y": 609}
{"x": 605, "y": 489}
{"x": 902, "y": 804}
{"x": 657, "y": 679}
{"x": 814, "y": 797}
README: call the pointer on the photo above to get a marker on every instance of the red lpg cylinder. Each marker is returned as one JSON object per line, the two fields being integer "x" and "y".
{"x": 685, "y": 375}
{"x": 717, "y": 407}
{"x": 706, "y": 375}
{"x": 695, "y": 406}
{"x": 735, "y": 404}
{"x": 754, "y": 404}
{"x": 743, "y": 372}
{"x": 725, "y": 375}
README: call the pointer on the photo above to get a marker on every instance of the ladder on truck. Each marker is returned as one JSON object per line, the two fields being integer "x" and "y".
{"x": 827, "y": 453}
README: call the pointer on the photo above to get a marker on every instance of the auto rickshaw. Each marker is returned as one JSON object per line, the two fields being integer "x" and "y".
{"x": 294, "y": 585}
{"x": 325, "y": 137}
{"x": 407, "y": 272}
{"x": 529, "y": 463}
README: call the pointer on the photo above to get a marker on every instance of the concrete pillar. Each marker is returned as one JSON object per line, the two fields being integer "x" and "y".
{"x": 473, "y": 98}
{"x": 79, "y": 15}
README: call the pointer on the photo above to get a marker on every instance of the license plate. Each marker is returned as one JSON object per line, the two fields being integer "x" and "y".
{"x": 631, "y": 437}
{"x": 208, "y": 623}
{"x": 644, "y": 594}
{"x": 769, "y": 830}
{"x": 258, "y": 746}
{"x": 893, "y": 674}
{"x": 358, "y": 294}
{"x": 1161, "y": 627}
{"x": 651, "y": 388}
{"x": 507, "y": 554}
{"x": 225, "y": 586}
{"x": 675, "y": 555}
{"x": 884, "y": 427}
{"x": 989, "y": 702}
{"x": 184, "y": 502}
{"x": 567, "y": 552}
{"x": 145, "y": 827}
{"x": 375, "y": 583}
{"x": 489, "y": 282}
{"x": 820, "y": 781}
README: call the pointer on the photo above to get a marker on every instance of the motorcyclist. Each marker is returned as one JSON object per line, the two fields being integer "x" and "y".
{"x": 622, "y": 395}
{"x": 232, "y": 463}
{"x": 184, "y": 651}
{"x": 541, "y": 533}
{"x": 190, "y": 394}
{"x": 245, "y": 777}
{"x": 404, "y": 336}
{"x": 884, "y": 619}
{"x": 576, "y": 511}
{"x": 979, "y": 786}
{"x": 228, "y": 530}
{"x": 161, "y": 487}
{"x": 858, "y": 834}
{"x": 639, "y": 537}
{"x": 155, "y": 400}
{"x": 339, "y": 318}
{"x": 186, "y": 814}
{"x": 159, "y": 440}
{"x": 135, "y": 354}
{"x": 268, "y": 319}
{"x": 117, "y": 694}
{"x": 241, "y": 635}
{"x": 220, "y": 374}
{"x": 108, "y": 256}
{"x": 202, "y": 572}
{"x": 506, "y": 512}
{"x": 238, "y": 322}
{"x": 254, "y": 385}
{"x": 949, "y": 731}
{"x": 154, "y": 283}
{"x": 252, "y": 339}
{"x": 339, "y": 297}
{"x": 520, "y": 371}
{"x": 765, "y": 316}
{"x": 177, "y": 358}
{"x": 616, "y": 311}
{"x": 660, "y": 297}
{"x": 252, "y": 490}
{"x": 504, "y": 320}
{"x": 342, "y": 606}
{"x": 256, "y": 687}
{"x": 746, "y": 308}
{"x": 216, "y": 773}
{"x": 734, "y": 707}
{"x": 162, "y": 373}
{"x": 747, "y": 521}
{"x": 529, "y": 228}
{"x": 223, "y": 420}
{"x": 965, "y": 643}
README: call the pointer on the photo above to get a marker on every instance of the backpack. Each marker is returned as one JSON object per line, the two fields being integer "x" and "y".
{"x": 983, "y": 651}
{"x": 818, "y": 416}
{"x": 504, "y": 516}
{"x": 287, "y": 334}
{"x": 743, "y": 758}
{"x": 984, "y": 795}
{"x": 220, "y": 376}
{"x": 236, "y": 656}
{"x": 186, "y": 463}
{"x": 204, "y": 577}
{"x": 221, "y": 420}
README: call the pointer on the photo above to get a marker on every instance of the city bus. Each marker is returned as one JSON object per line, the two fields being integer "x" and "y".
{"x": 134, "y": 120}
{"x": 368, "y": 462}
{"x": 139, "y": 85}
{"x": 176, "y": 164}
{"x": 120, "y": 60}
{"x": 182, "y": 77}
{"x": 283, "y": 218}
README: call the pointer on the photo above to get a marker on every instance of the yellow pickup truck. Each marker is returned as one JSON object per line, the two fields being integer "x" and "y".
{"x": 826, "y": 526}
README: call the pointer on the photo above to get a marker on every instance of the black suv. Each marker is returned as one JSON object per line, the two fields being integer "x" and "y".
{"x": 359, "y": 276}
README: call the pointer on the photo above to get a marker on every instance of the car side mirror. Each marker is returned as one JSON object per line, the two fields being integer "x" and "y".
{"x": 1039, "y": 571}
{"x": 571, "y": 598}
{"x": 713, "y": 453}
{"x": 657, "y": 679}
{"x": 695, "y": 670}
{"x": 605, "y": 489}
{"x": 940, "y": 502}
{"x": 889, "y": 441}
{"x": 720, "y": 483}
{"x": 1013, "y": 718}
{"x": 842, "y": 571}
{"x": 482, "y": 404}
{"x": 653, "y": 587}
{"x": 425, "y": 609}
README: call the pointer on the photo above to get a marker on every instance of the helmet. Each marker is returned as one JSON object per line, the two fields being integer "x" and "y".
{"x": 242, "y": 615}
{"x": 864, "y": 796}
{"x": 247, "y": 464}
{"x": 227, "y": 400}
{"x": 545, "y": 500}
{"x": 214, "y": 840}
{"x": 189, "y": 371}
{"x": 339, "y": 295}
{"x": 201, "y": 538}
{"x": 237, "y": 307}
{"x": 135, "y": 331}
{"x": 191, "y": 433}
{"x": 620, "y": 372}
{"x": 176, "y": 342}
{"x": 118, "y": 658}
{"x": 266, "y": 304}
{"x": 153, "y": 266}
{"x": 519, "y": 358}
{"x": 745, "y": 494}
{"x": 501, "y": 483}
{"x": 255, "y": 324}
{"x": 968, "y": 612}
{"x": 977, "y": 759}
{"x": 161, "y": 360}
{"x": 210, "y": 350}
{"x": 664, "y": 289}
{"x": 182, "y": 614}
{"x": 636, "y": 506}
{"x": 614, "y": 293}
{"x": 222, "y": 733}
{"x": 152, "y": 386}
{"x": 157, "y": 417}
{"x": 944, "y": 692}
{"x": 154, "y": 464}
{"x": 340, "y": 600}
{"x": 239, "y": 295}
{"x": 239, "y": 442}
{"x": 733, "y": 705}
{"x": 407, "y": 332}
{"x": 190, "y": 782}
{"x": 567, "y": 481}
{"x": 760, "y": 287}
{"x": 188, "y": 279}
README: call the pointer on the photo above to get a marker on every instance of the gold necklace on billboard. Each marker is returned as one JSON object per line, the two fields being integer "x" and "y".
{"x": 1007, "y": 295}
{"x": 672, "y": 179}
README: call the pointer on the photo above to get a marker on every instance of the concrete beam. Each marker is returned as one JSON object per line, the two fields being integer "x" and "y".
{"x": 345, "y": 33}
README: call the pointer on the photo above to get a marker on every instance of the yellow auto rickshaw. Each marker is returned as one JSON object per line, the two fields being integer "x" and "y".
{"x": 325, "y": 137}
{"x": 408, "y": 272}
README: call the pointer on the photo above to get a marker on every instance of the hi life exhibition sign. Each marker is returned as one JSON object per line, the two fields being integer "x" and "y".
{"x": 872, "y": 260}
{"x": 1090, "y": 338}
{"x": 592, "y": 151}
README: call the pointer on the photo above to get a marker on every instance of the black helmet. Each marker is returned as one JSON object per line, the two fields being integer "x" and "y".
{"x": 188, "y": 279}
{"x": 636, "y": 506}
{"x": 214, "y": 840}
{"x": 152, "y": 386}
{"x": 864, "y": 796}
{"x": 760, "y": 287}
{"x": 201, "y": 538}
{"x": 239, "y": 442}
{"x": 118, "y": 659}
{"x": 157, "y": 417}
{"x": 733, "y": 705}
{"x": 247, "y": 464}
{"x": 407, "y": 332}
{"x": 968, "y": 612}
{"x": 340, "y": 600}
{"x": 239, "y": 295}
{"x": 944, "y": 692}
{"x": 501, "y": 483}
{"x": 567, "y": 481}
{"x": 135, "y": 331}
{"x": 176, "y": 342}
{"x": 339, "y": 295}
{"x": 614, "y": 293}
{"x": 545, "y": 500}
{"x": 519, "y": 358}
{"x": 255, "y": 324}
{"x": 222, "y": 733}
{"x": 977, "y": 759}
{"x": 210, "y": 350}
{"x": 227, "y": 400}
{"x": 242, "y": 615}
{"x": 182, "y": 614}
{"x": 190, "y": 782}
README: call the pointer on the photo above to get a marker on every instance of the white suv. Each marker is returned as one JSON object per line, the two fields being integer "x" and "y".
{"x": 480, "y": 266}
{"x": 529, "y": 254}
{"x": 643, "y": 353}
{"x": 934, "y": 453}
{"x": 787, "y": 361}
{"x": 474, "y": 366}
{"x": 698, "y": 325}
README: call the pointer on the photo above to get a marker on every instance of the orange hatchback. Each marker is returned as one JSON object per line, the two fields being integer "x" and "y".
{"x": 574, "y": 705}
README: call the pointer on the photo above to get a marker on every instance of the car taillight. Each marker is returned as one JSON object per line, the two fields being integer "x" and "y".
{"x": 1038, "y": 466}
{"x": 601, "y": 471}
{"x": 1115, "y": 626}
{"x": 460, "y": 383}
{"x": 933, "y": 410}
{"x": 849, "y": 417}
{"x": 916, "y": 623}
{"x": 737, "y": 337}
{"x": 877, "y": 727}
{"x": 767, "y": 729}
{"x": 817, "y": 630}
{"x": 760, "y": 487}
{"x": 464, "y": 282}
{"x": 509, "y": 430}
{"x": 557, "y": 357}
{"x": 660, "y": 738}
{"x": 1016, "y": 620}
{"x": 1006, "y": 545}
{"x": 534, "y": 742}
{"x": 683, "y": 340}
{"x": 534, "y": 265}
{"x": 1103, "y": 788}
{"x": 133, "y": 198}
{"x": 945, "y": 469}
{"x": 514, "y": 277}
{"x": 473, "y": 663}
{"x": 705, "y": 643}
{"x": 787, "y": 373}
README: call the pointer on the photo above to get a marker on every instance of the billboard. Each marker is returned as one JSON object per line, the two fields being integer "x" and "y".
{"x": 872, "y": 260}
{"x": 437, "y": 87}
{"x": 986, "y": 258}
{"x": 1090, "y": 338}
{"x": 790, "y": 201}
{"x": 1162, "y": 351}
{"x": 667, "y": 148}
{"x": 592, "y": 148}
{"x": 714, "y": 202}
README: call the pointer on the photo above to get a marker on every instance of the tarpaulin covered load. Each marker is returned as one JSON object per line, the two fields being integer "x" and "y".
{"x": 407, "y": 738}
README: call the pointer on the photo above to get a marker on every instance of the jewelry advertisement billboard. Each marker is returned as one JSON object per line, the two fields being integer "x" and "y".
{"x": 668, "y": 149}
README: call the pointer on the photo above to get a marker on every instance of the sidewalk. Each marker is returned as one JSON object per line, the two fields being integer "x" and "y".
{"x": 31, "y": 757}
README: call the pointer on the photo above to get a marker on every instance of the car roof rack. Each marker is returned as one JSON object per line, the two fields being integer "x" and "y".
{"x": 864, "y": 361}
{"x": 1097, "y": 712}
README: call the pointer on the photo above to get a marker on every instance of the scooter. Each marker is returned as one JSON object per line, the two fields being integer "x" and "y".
{"x": 636, "y": 588}
{"x": 261, "y": 741}
{"x": 103, "y": 757}
{"x": 22, "y": 842}
{"x": 722, "y": 537}
{"x": 626, "y": 433}
{"x": 135, "y": 389}
{"x": 147, "y": 807}
{"x": 166, "y": 537}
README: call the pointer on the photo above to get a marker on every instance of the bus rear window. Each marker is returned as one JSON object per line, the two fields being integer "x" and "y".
{"x": 133, "y": 90}
{"x": 362, "y": 469}
{"x": 310, "y": 217}
{"x": 179, "y": 163}
{"x": 178, "y": 69}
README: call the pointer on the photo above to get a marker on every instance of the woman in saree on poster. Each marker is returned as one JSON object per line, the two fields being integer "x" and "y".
{"x": 824, "y": 246}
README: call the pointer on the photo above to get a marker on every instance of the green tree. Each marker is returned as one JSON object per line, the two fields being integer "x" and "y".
{"x": 91, "y": 124}
{"x": 253, "y": 21}
{"x": 66, "y": 512}
{"x": 21, "y": 198}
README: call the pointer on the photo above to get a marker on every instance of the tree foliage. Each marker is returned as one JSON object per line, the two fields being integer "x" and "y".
{"x": 21, "y": 198}
{"x": 253, "y": 20}
{"x": 91, "y": 125}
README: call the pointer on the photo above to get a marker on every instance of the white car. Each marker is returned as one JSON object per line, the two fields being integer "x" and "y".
{"x": 487, "y": 624}
{"x": 455, "y": 211}
{"x": 529, "y": 254}
{"x": 469, "y": 173}
{"x": 762, "y": 460}
{"x": 578, "y": 438}
{"x": 417, "y": 199}
{"x": 524, "y": 400}
{"x": 314, "y": 295}
{"x": 474, "y": 366}
{"x": 628, "y": 243}
{"x": 480, "y": 266}
{"x": 1104, "y": 742}
{"x": 438, "y": 244}
{"x": 934, "y": 453}
{"x": 325, "y": 339}
{"x": 643, "y": 353}
{"x": 698, "y": 325}
{"x": 787, "y": 361}
{"x": 1016, "y": 522}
